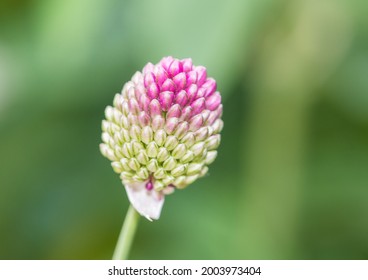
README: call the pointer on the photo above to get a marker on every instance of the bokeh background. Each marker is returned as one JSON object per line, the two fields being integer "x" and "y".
{"x": 291, "y": 178}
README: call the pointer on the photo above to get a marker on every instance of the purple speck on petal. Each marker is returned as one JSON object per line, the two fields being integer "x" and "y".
{"x": 149, "y": 186}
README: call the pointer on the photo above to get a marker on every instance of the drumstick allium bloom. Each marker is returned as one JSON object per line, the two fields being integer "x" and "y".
{"x": 162, "y": 131}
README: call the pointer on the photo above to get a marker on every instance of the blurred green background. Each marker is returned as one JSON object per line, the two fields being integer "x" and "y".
{"x": 291, "y": 178}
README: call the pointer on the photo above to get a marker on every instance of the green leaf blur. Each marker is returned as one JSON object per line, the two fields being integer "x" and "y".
{"x": 290, "y": 180}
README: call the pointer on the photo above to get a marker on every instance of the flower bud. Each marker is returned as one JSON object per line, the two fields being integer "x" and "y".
{"x": 160, "y": 173}
{"x": 166, "y": 99}
{"x": 159, "y": 185}
{"x": 152, "y": 150}
{"x": 163, "y": 154}
{"x": 179, "y": 151}
{"x": 210, "y": 157}
{"x": 136, "y": 146}
{"x": 171, "y": 125}
{"x": 188, "y": 157}
{"x": 188, "y": 139}
{"x": 213, "y": 142}
{"x": 171, "y": 142}
{"x": 198, "y": 148}
{"x": 134, "y": 164}
{"x": 158, "y": 122}
{"x": 155, "y": 108}
{"x": 124, "y": 163}
{"x": 162, "y": 131}
{"x": 194, "y": 168}
{"x": 181, "y": 130}
{"x": 116, "y": 165}
{"x": 152, "y": 165}
{"x": 174, "y": 112}
{"x": 142, "y": 157}
{"x": 180, "y": 80}
{"x": 127, "y": 150}
{"x": 143, "y": 173}
{"x": 179, "y": 170}
{"x": 168, "y": 85}
{"x": 181, "y": 98}
{"x": 160, "y": 137}
{"x": 135, "y": 132}
{"x": 169, "y": 164}
{"x": 196, "y": 122}
{"x": 147, "y": 135}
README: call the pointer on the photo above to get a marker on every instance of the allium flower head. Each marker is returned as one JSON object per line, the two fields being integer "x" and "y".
{"x": 162, "y": 131}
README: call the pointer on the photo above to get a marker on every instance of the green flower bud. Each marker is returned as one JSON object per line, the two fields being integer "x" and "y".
{"x": 142, "y": 157}
{"x": 169, "y": 164}
{"x": 134, "y": 164}
{"x": 179, "y": 151}
{"x": 160, "y": 173}
{"x": 194, "y": 168}
{"x": 160, "y": 137}
{"x": 188, "y": 157}
{"x": 152, "y": 149}
{"x": 179, "y": 170}
{"x": 116, "y": 165}
{"x": 147, "y": 135}
{"x": 124, "y": 163}
{"x": 135, "y": 132}
{"x": 127, "y": 150}
{"x": 163, "y": 154}
{"x": 171, "y": 142}
{"x": 152, "y": 165}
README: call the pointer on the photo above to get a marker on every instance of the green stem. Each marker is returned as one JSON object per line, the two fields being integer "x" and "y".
{"x": 126, "y": 235}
